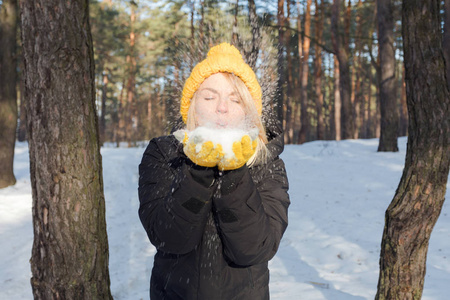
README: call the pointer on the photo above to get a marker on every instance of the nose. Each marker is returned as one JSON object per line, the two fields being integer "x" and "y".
{"x": 222, "y": 106}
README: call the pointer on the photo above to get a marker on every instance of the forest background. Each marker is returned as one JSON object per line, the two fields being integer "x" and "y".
{"x": 144, "y": 50}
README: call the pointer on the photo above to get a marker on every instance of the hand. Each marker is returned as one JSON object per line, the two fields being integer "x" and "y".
{"x": 242, "y": 150}
{"x": 209, "y": 154}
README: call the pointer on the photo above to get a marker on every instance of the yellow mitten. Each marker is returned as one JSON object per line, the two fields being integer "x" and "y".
{"x": 206, "y": 155}
{"x": 242, "y": 150}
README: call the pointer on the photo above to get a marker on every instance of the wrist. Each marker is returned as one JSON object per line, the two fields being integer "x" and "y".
{"x": 230, "y": 179}
{"x": 203, "y": 175}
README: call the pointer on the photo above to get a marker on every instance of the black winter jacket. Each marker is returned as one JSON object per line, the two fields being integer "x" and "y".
{"x": 211, "y": 246}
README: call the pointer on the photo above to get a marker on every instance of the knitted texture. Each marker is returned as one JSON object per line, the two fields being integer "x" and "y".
{"x": 220, "y": 58}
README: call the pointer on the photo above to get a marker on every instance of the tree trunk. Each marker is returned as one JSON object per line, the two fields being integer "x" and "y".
{"x": 201, "y": 35}
{"x": 446, "y": 41}
{"x": 369, "y": 112}
{"x": 388, "y": 95}
{"x": 304, "y": 130}
{"x": 289, "y": 103}
{"x": 357, "y": 73}
{"x": 319, "y": 18}
{"x": 342, "y": 53}
{"x": 102, "y": 116}
{"x": 120, "y": 124}
{"x": 70, "y": 249}
{"x": 256, "y": 34}
{"x": 416, "y": 206}
{"x": 234, "y": 35}
{"x": 192, "y": 31}
{"x": 22, "y": 128}
{"x": 403, "y": 106}
{"x": 131, "y": 82}
{"x": 337, "y": 101}
{"x": 280, "y": 64}
{"x": 8, "y": 93}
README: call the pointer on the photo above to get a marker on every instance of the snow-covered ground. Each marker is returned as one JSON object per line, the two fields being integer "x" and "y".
{"x": 339, "y": 193}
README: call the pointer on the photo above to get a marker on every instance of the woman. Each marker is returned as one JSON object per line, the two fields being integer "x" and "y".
{"x": 215, "y": 221}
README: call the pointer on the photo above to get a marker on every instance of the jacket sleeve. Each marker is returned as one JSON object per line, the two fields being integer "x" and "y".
{"x": 253, "y": 218}
{"x": 173, "y": 206}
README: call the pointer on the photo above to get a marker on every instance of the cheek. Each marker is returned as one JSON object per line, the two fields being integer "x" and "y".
{"x": 237, "y": 113}
{"x": 203, "y": 111}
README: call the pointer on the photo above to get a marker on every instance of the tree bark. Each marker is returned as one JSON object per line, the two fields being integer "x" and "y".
{"x": 418, "y": 201}
{"x": 131, "y": 81}
{"x": 280, "y": 63}
{"x": 22, "y": 130}
{"x": 201, "y": 35}
{"x": 446, "y": 41}
{"x": 192, "y": 31}
{"x": 388, "y": 95}
{"x": 70, "y": 249}
{"x": 234, "y": 35}
{"x": 337, "y": 101}
{"x": 403, "y": 106}
{"x": 256, "y": 34}
{"x": 22, "y": 119}
{"x": 358, "y": 101}
{"x": 102, "y": 126}
{"x": 289, "y": 104}
{"x": 120, "y": 123}
{"x": 319, "y": 18}
{"x": 342, "y": 53}
{"x": 8, "y": 93}
{"x": 304, "y": 129}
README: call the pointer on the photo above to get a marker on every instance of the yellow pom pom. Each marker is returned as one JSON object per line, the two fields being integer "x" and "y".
{"x": 224, "y": 49}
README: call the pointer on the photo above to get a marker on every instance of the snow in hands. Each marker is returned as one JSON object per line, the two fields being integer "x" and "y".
{"x": 225, "y": 137}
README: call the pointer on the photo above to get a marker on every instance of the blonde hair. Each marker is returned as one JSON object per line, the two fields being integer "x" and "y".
{"x": 251, "y": 115}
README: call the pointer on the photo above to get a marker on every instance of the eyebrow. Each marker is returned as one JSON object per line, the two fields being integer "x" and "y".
{"x": 233, "y": 93}
{"x": 211, "y": 90}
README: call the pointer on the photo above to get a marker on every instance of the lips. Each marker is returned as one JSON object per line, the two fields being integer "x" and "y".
{"x": 221, "y": 123}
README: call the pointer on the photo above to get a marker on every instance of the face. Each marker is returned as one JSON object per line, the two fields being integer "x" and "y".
{"x": 218, "y": 104}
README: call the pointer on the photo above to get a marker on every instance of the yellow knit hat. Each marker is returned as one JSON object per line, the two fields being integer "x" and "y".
{"x": 220, "y": 58}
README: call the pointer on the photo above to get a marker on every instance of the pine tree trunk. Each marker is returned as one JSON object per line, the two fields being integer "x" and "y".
{"x": 102, "y": 116}
{"x": 70, "y": 249}
{"x": 304, "y": 130}
{"x": 357, "y": 72}
{"x": 446, "y": 41}
{"x": 388, "y": 96}
{"x": 120, "y": 124}
{"x": 192, "y": 31}
{"x": 22, "y": 128}
{"x": 8, "y": 94}
{"x": 256, "y": 34}
{"x": 319, "y": 19}
{"x": 403, "y": 106}
{"x": 337, "y": 101}
{"x": 201, "y": 25}
{"x": 418, "y": 201}
{"x": 289, "y": 121}
{"x": 131, "y": 83}
{"x": 342, "y": 53}
{"x": 369, "y": 112}
{"x": 280, "y": 63}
